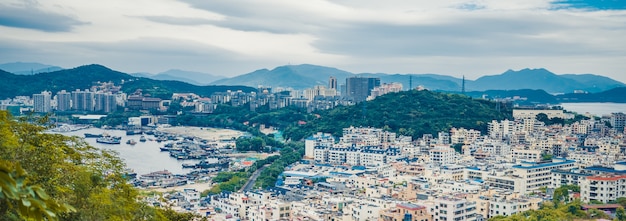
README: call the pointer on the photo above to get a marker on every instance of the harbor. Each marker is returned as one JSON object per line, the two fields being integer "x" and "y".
{"x": 170, "y": 157}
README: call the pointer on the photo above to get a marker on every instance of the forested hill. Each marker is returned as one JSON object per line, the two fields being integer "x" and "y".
{"x": 84, "y": 77}
{"x": 411, "y": 113}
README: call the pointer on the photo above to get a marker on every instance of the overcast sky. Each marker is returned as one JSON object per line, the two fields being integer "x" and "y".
{"x": 232, "y": 37}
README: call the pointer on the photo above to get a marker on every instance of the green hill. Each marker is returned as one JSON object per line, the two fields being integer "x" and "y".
{"x": 412, "y": 113}
{"x": 84, "y": 77}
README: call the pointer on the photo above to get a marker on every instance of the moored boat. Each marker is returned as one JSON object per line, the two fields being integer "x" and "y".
{"x": 89, "y": 135}
{"x": 109, "y": 140}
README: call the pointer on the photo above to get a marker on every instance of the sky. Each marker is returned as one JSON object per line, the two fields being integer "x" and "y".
{"x": 233, "y": 37}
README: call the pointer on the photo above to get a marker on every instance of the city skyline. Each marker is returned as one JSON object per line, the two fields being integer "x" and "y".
{"x": 456, "y": 38}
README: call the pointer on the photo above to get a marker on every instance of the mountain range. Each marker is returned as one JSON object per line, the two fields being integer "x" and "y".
{"x": 28, "y": 68}
{"x": 84, "y": 77}
{"x": 192, "y": 77}
{"x": 307, "y": 76}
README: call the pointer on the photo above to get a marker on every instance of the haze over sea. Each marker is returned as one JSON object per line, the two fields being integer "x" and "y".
{"x": 597, "y": 109}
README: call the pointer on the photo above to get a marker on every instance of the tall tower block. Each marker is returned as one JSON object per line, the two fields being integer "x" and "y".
{"x": 332, "y": 83}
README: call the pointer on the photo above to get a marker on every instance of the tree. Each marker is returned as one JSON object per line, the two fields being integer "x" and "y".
{"x": 620, "y": 214}
{"x": 65, "y": 169}
{"x": 28, "y": 201}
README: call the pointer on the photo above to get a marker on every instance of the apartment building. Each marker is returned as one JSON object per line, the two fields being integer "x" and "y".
{"x": 406, "y": 211}
{"x": 318, "y": 139}
{"x": 566, "y": 177}
{"x": 453, "y": 209}
{"x": 442, "y": 155}
{"x": 367, "y": 155}
{"x": 501, "y": 205}
{"x": 539, "y": 174}
{"x": 532, "y": 114}
{"x": 603, "y": 188}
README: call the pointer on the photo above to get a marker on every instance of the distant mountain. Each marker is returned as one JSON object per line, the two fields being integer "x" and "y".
{"x": 615, "y": 95}
{"x": 197, "y": 78}
{"x": 142, "y": 75}
{"x": 307, "y": 76}
{"x": 596, "y": 83}
{"x": 84, "y": 77}
{"x": 542, "y": 79}
{"x": 28, "y": 68}
{"x": 295, "y": 76}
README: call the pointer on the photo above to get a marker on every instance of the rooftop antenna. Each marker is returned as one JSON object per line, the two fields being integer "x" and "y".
{"x": 463, "y": 85}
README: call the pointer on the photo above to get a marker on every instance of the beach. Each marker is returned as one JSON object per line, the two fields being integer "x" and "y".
{"x": 206, "y": 133}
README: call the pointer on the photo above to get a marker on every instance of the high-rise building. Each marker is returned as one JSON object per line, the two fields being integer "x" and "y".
{"x": 82, "y": 100}
{"x": 64, "y": 101}
{"x": 358, "y": 88}
{"x": 618, "y": 121}
{"x": 332, "y": 83}
{"x": 41, "y": 102}
{"x": 105, "y": 102}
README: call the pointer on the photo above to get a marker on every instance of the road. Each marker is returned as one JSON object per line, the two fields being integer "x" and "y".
{"x": 253, "y": 178}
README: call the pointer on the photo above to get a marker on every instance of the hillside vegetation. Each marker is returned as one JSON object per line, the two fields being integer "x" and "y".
{"x": 84, "y": 77}
{"x": 411, "y": 113}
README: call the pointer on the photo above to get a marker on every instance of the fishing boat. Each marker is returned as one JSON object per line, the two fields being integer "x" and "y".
{"x": 133, "y": 131}
{"x": 109, "y": 140}
{"x": 142, "y": 139}
{"x": 131, "y": 142}
{"x": 89, "y": 135}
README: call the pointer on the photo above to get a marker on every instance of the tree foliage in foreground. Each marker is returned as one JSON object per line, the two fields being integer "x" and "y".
{"x": 61, "y": 173}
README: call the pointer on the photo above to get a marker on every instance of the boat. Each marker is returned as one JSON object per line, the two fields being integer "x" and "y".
{"x": 109, "y": 140}
{"x": 188, "y": 165}
{"x": 142, "y": 139}
{"x": 131, "y": 142}
{"x": 89, "y": 135}
{"x": 133, "y": 132}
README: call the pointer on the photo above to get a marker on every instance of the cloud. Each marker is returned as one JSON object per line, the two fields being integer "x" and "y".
{"x": 179, "y": 20}
{"x": 136, "y": 55}
{"x": 31, "y": 17}
{"x": 529, "y": 34}
{"x": 236, "y": 36}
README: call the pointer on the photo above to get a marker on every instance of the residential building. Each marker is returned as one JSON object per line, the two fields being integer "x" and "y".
{"x": 539, "y": 174}
{"x": 406, "y": 211}
{"x": 82, "y": 100}
{"x": 105, "y": 102}
{"x": 442, "y": 155}
{"x": 618, "y": 121}
{"x": 603, "y": 188}
{"x": 41, "y": 102}
{"x": 64, "y": 101}
{"x": 532, "y": 114}
{"x": 319, "y": 139}
{"x": 453, "y": 209}
{"x": 505, "y": 205}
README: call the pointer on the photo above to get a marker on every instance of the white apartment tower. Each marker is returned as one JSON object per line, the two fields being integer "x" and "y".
{"x": 41, "y": 102}
{"x": 64, "y": 101}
